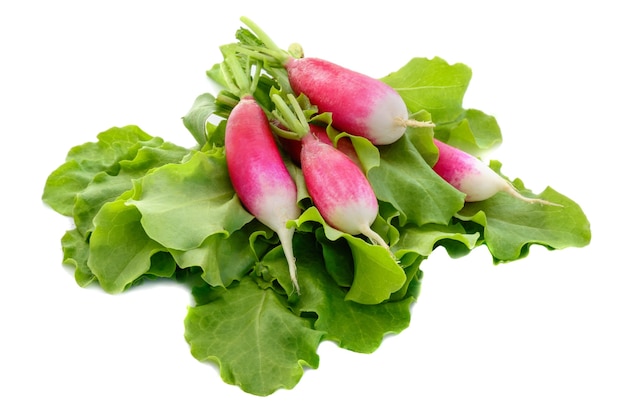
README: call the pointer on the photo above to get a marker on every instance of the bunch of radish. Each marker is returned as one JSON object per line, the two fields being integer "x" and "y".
{"x": 359, "y": 105}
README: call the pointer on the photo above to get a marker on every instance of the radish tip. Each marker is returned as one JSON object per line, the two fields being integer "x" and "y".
{"x": 414, "y": 123}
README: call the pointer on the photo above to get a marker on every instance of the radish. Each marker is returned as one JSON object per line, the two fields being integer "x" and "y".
{"x": 337, "y": 185}
{"x": 359, "y": 104}
{"x": 472, "y": 176}
{"x": 256, "y": 168}
{"x": 339, "y": 189}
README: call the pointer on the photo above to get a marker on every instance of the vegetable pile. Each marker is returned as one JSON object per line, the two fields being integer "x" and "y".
{"x": 305, "y": 210}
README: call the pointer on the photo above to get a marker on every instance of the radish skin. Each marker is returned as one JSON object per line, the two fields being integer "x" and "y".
{"x": 339, "y": 189}
{"x": 259, "y": 175}
{"x": 473, "y": 177}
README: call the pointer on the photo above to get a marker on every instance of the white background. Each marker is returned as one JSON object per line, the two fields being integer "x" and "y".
{"x": 543, "y": 336}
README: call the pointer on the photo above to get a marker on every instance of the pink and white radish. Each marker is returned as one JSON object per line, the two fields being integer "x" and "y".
{"x": 337, "y": 185}
{"x": 339, "y": 189}
{"x": 472, "y": 176}
{"x": 255, "y": 166}
{"x": 259, "y": 175}
{"x": 360, "y": 105}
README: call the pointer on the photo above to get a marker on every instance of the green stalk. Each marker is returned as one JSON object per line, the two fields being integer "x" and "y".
{"x": 226, "y": 100}
{"x": 264, "y": 38}
{"x": 267, "y": 56}
{"x": 236, "y": 73}
{"x": 241, "y": 81}
{"x": 292, "y": 118}
{"x": 298, "y": 110}
{"x": 255, "y": 77}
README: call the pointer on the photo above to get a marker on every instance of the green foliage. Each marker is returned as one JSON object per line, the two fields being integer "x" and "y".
{"x": 259, "y": 344}
{"x": 434, "y": 86}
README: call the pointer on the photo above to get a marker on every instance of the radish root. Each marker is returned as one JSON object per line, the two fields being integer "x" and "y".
{"x": 285, "y": 235}
{"x": 413, "y": 123}
{"x": 510, "y": 189}
{"x": 378, "y": 240}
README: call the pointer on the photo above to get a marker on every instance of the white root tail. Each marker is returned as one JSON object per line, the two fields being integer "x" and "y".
{"x": 510, "y": 189}
{"x": 413, "y": 123}
{"x": 378, "y": 240}
{"x": 285, "y": 235}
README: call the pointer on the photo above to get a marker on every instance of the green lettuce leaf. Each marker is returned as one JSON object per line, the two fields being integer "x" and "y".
{"x": 76, "y": 253}
{"x": 352, "y": 325}
{"x": 224, "y": 259}
{"x": 196, "y": 118}
{"x": 434, "y": 86}
{"x": 406, "y": 181}
{"x": 120, "y": 252}
{"x": 474, "y": 132}
{"x": 257, "y": 341}
{"x": 85, "y": 161}
{"x": 422, "y": 240}
{"x": 377, "y": 275}
{"x": 183, "y": 204}
{"x": 511, "y": 226}
{"x": 105, "y": 187}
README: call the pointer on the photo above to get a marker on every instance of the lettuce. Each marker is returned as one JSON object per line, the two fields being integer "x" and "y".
{"x": 144, "y": 208}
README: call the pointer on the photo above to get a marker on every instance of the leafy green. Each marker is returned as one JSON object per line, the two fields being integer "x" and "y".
{"x": 76, "y": 253}
{"x": 437, "y": 87}
{"x": 105, "y": 187}
{"x": 86, "y": 161}
{"x": 119, "y": 236}
{"x": 96, "y": 173}
{"x": 355, "y": 326}
{"x": 224, "y": 259}
{"x": 511, "y": 226}
{"x": 259, "y": 344}
{"x": 474, "y": 132}
{"x": 195, "y": 195}
{"x": 196, "y": 118}
{"x": 370, "y": 262}
{"x": 406, "y": 181}
{"x": 147, "y": 209}
{"x": 422, "y": 240}
{"x": 432, "y": 85}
